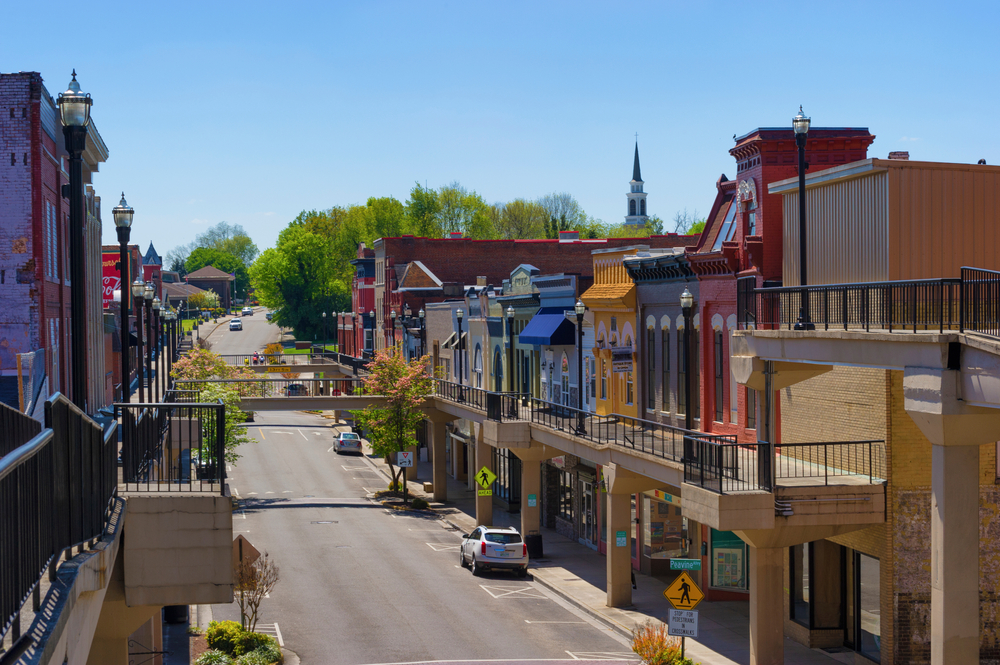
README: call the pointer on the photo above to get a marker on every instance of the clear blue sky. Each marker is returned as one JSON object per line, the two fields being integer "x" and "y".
{"x": 251, "y": 112}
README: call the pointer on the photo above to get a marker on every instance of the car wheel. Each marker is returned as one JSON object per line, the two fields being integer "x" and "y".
{"x": 477, "y": 570}
{"x": 461, "y": 558}
{"x": 522, "y": 572}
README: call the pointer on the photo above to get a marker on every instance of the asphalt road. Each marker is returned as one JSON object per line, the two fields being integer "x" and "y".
{"x": 257, "y": 333}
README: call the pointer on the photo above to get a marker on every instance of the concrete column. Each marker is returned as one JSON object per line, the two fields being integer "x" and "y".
{"x": 531, "y": 484}
{"x": 954, "y": 555}
{"x": 484, "y": 504}
{"x": 619, "y": 557}
{"x": 766, "y": 606}
{"x": 439, "y": 474}
{"x": 411, "y": 473}
{"x": 336, "y": 417}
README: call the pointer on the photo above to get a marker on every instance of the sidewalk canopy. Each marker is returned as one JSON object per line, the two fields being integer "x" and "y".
{"x": 549, "y": 327}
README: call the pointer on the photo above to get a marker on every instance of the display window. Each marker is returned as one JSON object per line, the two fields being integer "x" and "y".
{"x": 665, "y": 531}
{"x": 729, "y": 561}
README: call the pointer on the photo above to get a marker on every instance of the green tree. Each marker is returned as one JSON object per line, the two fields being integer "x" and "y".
{"x": 697, "y": 227}
{"x": 654, "y": 225}
{"x": 229, "y": 238}
{"x": 205, "y": 300}
{"x": 204, "y": 256}
{"x": 391, "y": 428}
{"x": 388, "y": 217}
{"x": 522, "y": 219}
{"x": 422, "y": 210}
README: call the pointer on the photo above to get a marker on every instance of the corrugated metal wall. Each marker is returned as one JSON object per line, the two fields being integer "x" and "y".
{"x": 943, "y": 217}
{"x": 847, "y": 232}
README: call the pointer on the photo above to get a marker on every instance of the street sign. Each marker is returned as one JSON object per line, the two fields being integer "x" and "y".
{"x": 485, "y": 478}
{"x": 683, "y": 593}
{"x": 485, "y": 492}
{"x": 685, "y": 564}
{"x": 243, "y": 548}
{"x": 682, "y": 623}
{"x": 621, "y": 539}
{"x": 532, "y": 500}
{"x": 273, "y": 369}
{"x": 404, "y": 459}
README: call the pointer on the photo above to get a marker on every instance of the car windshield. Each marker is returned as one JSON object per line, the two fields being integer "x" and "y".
{"x": 348, "y": 435}
{"x": 504, "y": 538}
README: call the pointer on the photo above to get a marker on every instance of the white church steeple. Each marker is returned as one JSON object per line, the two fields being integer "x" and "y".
{"x": 636, "y": 197}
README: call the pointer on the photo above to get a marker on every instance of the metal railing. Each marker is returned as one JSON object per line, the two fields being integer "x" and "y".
{"x": 970, "y": 303}
{"x": 281, "y": 387}
{"x": 55, "y": 489}
{"x": 173, "y": 447}
{"x": 505, "y": 406}
{"x": 833, "y": 459}
{"x": 474, "y": 398}
{"x": 727, "y": 467}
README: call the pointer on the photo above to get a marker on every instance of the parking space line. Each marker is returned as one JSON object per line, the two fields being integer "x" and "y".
{"x": 513, "y": 592}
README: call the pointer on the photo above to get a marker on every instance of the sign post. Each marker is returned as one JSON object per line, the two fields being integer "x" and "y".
{"x": 684, "y": 595}
{"x": 404, "y": 460}
{"x": 485, "y": 478}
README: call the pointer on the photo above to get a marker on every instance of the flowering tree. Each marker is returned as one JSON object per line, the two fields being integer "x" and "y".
{"x": 405, "y": 385}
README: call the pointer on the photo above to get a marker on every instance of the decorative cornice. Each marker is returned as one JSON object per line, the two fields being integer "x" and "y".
{"x": 658, "y": 269}
{"x": 712, "y": 264}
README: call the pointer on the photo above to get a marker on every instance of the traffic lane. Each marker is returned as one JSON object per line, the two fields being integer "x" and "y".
{"x": 368, "y": 572}
{"x": 257, "y": 333}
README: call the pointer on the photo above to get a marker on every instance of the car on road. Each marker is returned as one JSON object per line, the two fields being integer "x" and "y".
{"x": 296, "y": 390}
{"x": 236, "y": 324}
{"x": 247, "y": 311}
{"x": 347, "y": 442}
{"x": 269, "y": 316}
{"x": 490, "y": 547}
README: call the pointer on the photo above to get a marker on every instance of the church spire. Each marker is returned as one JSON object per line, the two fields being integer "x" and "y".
{"x": 636, "y": 176}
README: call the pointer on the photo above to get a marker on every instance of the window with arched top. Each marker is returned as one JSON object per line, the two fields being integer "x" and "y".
{"x": 564, "y": 366}
{"x": 642, "y": 207}
{"x": 497, "y": 370}
{"x": 631, "y": 207}
{"x": 478, "y": 366}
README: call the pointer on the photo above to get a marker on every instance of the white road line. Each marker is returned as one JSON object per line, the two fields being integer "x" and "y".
{"x": 281, "y": 642}
{"x": 526, "y": 621}
{"x": 286, "y": 491}
{"x": 235, "y": 491}
{"x": 512, "y": 592}
{"x": 303, "y": 435}
{"x": 329, "y": 449}
{"x": 268, "y": 492}
{"x": 251, "y": 494}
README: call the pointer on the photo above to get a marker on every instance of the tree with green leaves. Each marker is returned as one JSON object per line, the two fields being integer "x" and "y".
{"x": 392, "y": 427}
{"x": 204, "y": 256}
{"x": 422, "y": 211}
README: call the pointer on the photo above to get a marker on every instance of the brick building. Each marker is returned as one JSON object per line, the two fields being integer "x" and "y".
{"x": 34, "y": 240}
{"x": 209, "y": 278}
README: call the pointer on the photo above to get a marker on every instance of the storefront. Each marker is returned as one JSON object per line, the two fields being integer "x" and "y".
{"x": 664, "y": 531}
{"x": 728, "y": 562}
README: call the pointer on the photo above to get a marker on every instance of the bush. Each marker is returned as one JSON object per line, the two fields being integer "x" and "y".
{"x": 224, "y": 636}
{"x": 250, "y": 642}
{"x": 265, "y": 655}
{"x": 420, "y": 504}
{"x": 395, "y": 487}
{"x": 656, "y": 647}
{"x": 214, "y": 657}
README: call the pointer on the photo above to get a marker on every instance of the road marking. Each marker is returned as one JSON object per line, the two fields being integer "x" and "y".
{"x": 277, "y": 432}
{"x": 235, "y": 491}
{"x": 330, "y": 448}
{"x": 286, "y": 491}
{"x": 261, "y": 430}
{"x": 441, "y": 548}
{"x": 251, "y": 494}
{"x": 512, "y": 592}
{"x": 303, "y": 435}
{"x": 268, "y": 492}
{"x": 603, "y": 655}
{"x": 229, "y": 468}
{"x": 354, "y": 468}
{"x": 526, "y": 621}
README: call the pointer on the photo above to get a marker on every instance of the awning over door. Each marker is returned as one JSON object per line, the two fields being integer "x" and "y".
{"x": 549, "y": 327}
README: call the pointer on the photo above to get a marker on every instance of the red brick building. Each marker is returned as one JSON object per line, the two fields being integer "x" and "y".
{"x": 34, "y": 241}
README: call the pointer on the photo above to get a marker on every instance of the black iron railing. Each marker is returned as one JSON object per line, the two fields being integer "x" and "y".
{"x": 727, "y": 467}
{"x": 474, "y": 398}
{"x": 173, "y": 447}
{"x": 970, "y": 303}
{"x": 505, "y": 406}
{"x": 267, "y": 387}
{"x": 55, "y": 490}
{"x": 835, "y": 459}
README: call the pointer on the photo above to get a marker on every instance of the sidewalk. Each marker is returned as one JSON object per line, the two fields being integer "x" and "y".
{"x": 578, "y": 573}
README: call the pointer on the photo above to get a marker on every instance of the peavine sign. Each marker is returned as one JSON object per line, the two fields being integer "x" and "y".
{"x": 112, "y": 280}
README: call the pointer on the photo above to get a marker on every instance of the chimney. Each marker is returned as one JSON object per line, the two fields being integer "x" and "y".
{"x": 901, "y": 155}
{"x": 481, "y": 280}
{"x": 455, "y": 235}
{"x": 569, "y": 236}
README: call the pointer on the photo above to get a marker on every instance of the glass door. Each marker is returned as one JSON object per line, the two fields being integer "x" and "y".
{"x": 588, "y": 515}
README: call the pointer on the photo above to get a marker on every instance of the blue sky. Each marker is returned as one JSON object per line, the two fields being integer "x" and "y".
{"x": 251, "y": 112}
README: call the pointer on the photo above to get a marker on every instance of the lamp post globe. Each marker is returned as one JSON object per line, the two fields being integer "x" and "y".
{"x": 138, "y": 288}
{"x": 800, "y": 125}
{"x": 392, "y": 315}
{"x": 74, "y": 106}
{"x": 423, "y": 330}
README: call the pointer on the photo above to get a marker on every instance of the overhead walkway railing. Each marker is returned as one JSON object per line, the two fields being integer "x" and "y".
{"x": 281, "y": 387}
{"x": 57, "y": 483}
{"x": 291, "y": 359}
{"x": 728, "y": 468}
{"x": 970, "y": 303}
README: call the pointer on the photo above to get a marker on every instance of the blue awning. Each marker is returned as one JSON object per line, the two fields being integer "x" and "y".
{"x": 549, "y": 327}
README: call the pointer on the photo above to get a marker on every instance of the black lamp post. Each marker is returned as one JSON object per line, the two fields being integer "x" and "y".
{"x": 324, "y": 334}
{"x": 168, "y": 324}
{"x": 371, "y": 319}
{"x": 460, "y": 314}
{"x": 123, "y": 226}
{"x": 138, "y": 293}
{"x": 510, "y": 348}
{"x": 423, "y": 331}
{"x": 156, "y": 348}
{"x": 147, "y": 297}
{"x": 800, "y": 124}
{"x": 687, "y": 303}
{"x": 392, "y": 315}
{"x": 74, "y": 110}
{"x": 580, "y": 308}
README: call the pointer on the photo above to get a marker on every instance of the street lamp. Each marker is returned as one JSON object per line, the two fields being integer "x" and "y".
{"x": 687, "y": 302}
{"x": 123, "y": 214}
{"x": 423, "y": 331}
{"x": 157, "y": 345}
{"x": 74, "y": 109}
{"x": 324, "y": 334}
{"x": 510, "y": 348}
{"x": 458, "y": 344}
{"x": 147, "y": 297}
{"x": 138, "y": 291}
{"x": 800, "y": 124}
{"x": 580, "y": 308}
{"x": 371, "y": 317}
{"x": 392, "y": 315}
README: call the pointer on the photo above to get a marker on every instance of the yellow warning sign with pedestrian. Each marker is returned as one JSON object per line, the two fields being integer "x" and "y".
{"x": 683, "y": 593}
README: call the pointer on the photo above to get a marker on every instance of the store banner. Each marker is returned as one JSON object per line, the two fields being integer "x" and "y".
{"x": 621, "y": 359}
{"x": 111, "y": 278}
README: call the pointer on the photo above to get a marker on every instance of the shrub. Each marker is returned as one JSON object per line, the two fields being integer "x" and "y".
{"x": 656, "y": 647}
{"x": 265, "y": 655}
{"x": 420, "y": 504}
{"x": 224, "y": 636}
{"x": 214, "y": 657}
{"x": 395, "y": 487}
{"x": 250, "y": 642}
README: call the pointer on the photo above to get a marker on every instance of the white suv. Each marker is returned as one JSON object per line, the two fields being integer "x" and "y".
{"x": 236, "y": 324}
{"x": 490, "y": 547}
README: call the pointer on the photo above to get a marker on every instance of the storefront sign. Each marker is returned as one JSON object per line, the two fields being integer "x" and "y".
{"x": 558, "y": 462}
{"x": 663, "y": 496}
{"x": 111, "y": 278}
{"x": 685, "y": 564}
{"x": 532, "y": 500}
{"x": 621, "y": 359}
{"x": 621, "y": 539}
{"x": 682, "y": 623}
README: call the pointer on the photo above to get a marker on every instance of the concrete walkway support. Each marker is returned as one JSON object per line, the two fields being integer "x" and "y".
{"x": 484, "y": 504}
{"x": 531, "y": 484}
{"x": 767, "y": 640}
{"x": 439, "y": 476}
{"x": 117, "y": 622}
{"x": 621, "y": 485}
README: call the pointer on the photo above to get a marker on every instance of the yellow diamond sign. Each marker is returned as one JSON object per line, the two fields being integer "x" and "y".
{"x": 683, "y": 593}
{"x": 485, "y": 478}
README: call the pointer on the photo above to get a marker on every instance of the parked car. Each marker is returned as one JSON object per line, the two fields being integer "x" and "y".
{"x": 490, "y": 547}
{"x": 236, "y": 324}
{"x": 347, "y": 442}
{"x": 296, "y": 390}
{"x": 246, "y": 312}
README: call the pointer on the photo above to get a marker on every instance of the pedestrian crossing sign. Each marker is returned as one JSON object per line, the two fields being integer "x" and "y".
{"x": 485, "y": 478}
{"x": 683, "y": 593}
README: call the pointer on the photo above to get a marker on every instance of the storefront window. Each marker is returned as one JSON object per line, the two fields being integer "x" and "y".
{"x": 665, "y": 534}
{"x": 729, "y": 561}
{"x": 799, "y": 571}
{"x": 869, "y": 607}
{"x": 565, "y": 495}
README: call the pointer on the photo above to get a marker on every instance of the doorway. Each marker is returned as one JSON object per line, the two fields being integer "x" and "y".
{"x": 588, "y": 515}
